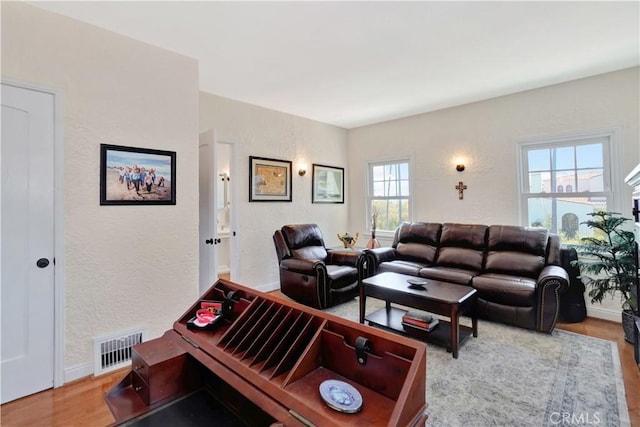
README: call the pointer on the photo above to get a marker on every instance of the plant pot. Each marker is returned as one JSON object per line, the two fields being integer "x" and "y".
{"x": 628, "y": 322}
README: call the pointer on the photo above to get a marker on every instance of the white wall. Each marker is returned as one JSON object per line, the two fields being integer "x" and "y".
{"x": 266, "y": 133}
{"x": 137, "y": 266}
{"x": 126, "y": 266}
{"x": 486, "y": 133}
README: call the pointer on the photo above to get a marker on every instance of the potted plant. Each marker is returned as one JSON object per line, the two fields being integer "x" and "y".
{"x": 608, "y": 265}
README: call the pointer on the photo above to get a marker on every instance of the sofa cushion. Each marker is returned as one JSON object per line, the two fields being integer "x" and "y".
{"x": 515, "y": 263}
{"x": 467, "y": 259}
{"x": 305, "y": 241}
{"x": 342, "y": 275}
{"x": 419, "y": 232}
{"x": 310, "y": 252}
{"x": 506, "y": 289}
{"x": 400, "y": 266}
{"x": 417, "y": 241}
{"x": 462, "y": 246}
{"x": 524, "y": 317}
{"x": 300, "y": 235}
{"x": 472, "y": 236}
{"x": 336, "y": 272}
{"x": 416, "y": 252}
{"x": 516, "y": 250}
{"x": 532, "y": 240}
{"x": 448, "y": 274}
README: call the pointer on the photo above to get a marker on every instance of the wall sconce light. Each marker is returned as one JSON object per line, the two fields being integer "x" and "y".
{"x": 302, "y": 172}
{"x": 460, "y": 167}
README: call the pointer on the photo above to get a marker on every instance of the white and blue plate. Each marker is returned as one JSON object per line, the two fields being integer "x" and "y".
{"x": 341, "y": 396}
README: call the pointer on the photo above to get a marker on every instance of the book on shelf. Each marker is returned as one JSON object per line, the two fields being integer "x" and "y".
{"x": 419, "y": 320}
{"x": 418, "y": 316}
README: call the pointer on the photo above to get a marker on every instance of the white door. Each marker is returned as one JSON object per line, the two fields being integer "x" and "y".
{"x": 27, "y": 235}
{"x": 208, "y": 273}
{"x": 218, "y": 187}
{"x": 227, "y": 152}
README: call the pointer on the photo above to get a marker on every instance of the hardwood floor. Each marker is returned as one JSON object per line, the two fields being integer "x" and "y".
{"x": 82, "y": 404}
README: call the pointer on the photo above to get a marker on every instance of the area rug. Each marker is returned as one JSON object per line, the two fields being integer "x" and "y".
{"x": 509, "y": 376}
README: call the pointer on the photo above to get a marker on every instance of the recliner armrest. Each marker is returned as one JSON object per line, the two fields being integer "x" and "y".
{"x": 343, "y": 257}
{"x": 302, "y": 266}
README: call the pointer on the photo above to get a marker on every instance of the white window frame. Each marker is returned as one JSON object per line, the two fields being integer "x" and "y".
{"x": 611, "y": 162}
{"x": 370, "y": 198}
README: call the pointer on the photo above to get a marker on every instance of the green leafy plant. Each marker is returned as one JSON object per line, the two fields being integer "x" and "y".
{"x": 606, "y": 259}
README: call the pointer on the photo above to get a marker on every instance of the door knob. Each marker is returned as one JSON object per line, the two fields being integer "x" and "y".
{"x": 42, "y": 262}
{"x": 209, "y": 241}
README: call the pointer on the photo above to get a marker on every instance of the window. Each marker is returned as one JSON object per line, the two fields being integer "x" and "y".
{"x": 389, "y": 193}
{"x": 580, "y": 172}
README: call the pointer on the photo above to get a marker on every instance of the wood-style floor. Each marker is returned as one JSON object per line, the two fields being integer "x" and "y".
{"x": 82, "y": 404}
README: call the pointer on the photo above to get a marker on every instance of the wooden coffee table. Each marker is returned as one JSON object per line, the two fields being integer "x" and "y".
{"x": 446, "y": 299}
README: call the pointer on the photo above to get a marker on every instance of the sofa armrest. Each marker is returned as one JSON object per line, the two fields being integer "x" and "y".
{"x": 343, "y": 257}
{"x": 552, "y": 282}
{"x": 374, "y": 257}
{"x": 302, "y": 266}
{"x": 555, "y": 272}
{"x": 379, "y": 255}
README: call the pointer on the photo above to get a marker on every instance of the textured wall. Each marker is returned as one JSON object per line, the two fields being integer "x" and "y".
{"x": 486, "y": 134}
{"x": 266, "y": 133}
{"x": 126, "y": 266}
{"x": 137, "y": 266}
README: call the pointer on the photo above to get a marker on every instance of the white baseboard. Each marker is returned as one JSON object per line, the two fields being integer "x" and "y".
{"x": 77, "y": 372}
{"x": 268, "y": 287}
{"x": 604, "y": 313}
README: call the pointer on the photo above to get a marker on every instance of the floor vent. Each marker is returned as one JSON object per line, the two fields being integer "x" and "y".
{"x": 114, "y": 352}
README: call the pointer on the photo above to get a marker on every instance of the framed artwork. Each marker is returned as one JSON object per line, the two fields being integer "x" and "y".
{"x": 269, "y": 180}
{"x": 137, "y": 176}
{"x": 328, "y": 184}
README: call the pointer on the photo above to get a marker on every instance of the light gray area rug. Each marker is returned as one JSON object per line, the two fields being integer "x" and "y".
{"x": 509, "y": 376}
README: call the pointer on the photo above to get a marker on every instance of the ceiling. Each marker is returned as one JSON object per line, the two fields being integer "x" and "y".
{"x": 355, "y": 63}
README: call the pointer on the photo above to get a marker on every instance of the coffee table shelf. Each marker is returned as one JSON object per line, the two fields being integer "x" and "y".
{"x": 440, "y": 335}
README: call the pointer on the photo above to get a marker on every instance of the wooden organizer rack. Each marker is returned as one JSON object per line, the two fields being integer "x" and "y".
{"x": 265, "y": 361}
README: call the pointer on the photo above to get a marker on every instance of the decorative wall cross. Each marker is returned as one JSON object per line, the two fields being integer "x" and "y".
{"x": 461, "y": 187}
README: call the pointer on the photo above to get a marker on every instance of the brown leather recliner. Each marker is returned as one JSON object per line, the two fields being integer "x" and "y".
{"x": 309, "y": 273}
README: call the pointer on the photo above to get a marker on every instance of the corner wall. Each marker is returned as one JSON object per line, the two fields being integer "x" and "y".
{"x": 125, "y": 266}
{"x": 262, "y": 132}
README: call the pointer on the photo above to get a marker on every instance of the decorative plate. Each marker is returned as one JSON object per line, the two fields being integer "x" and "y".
{"x": 417, "y": 283}
{"x": 341, "y": 396}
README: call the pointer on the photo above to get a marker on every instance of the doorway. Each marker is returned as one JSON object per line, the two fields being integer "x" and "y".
{"x": 28, "y": 244}
{"x": 218, "y": 243}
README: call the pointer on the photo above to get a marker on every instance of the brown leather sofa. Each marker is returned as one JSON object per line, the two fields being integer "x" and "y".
{"x": 517, "y": 271}
{"x": 309, "y": 272}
